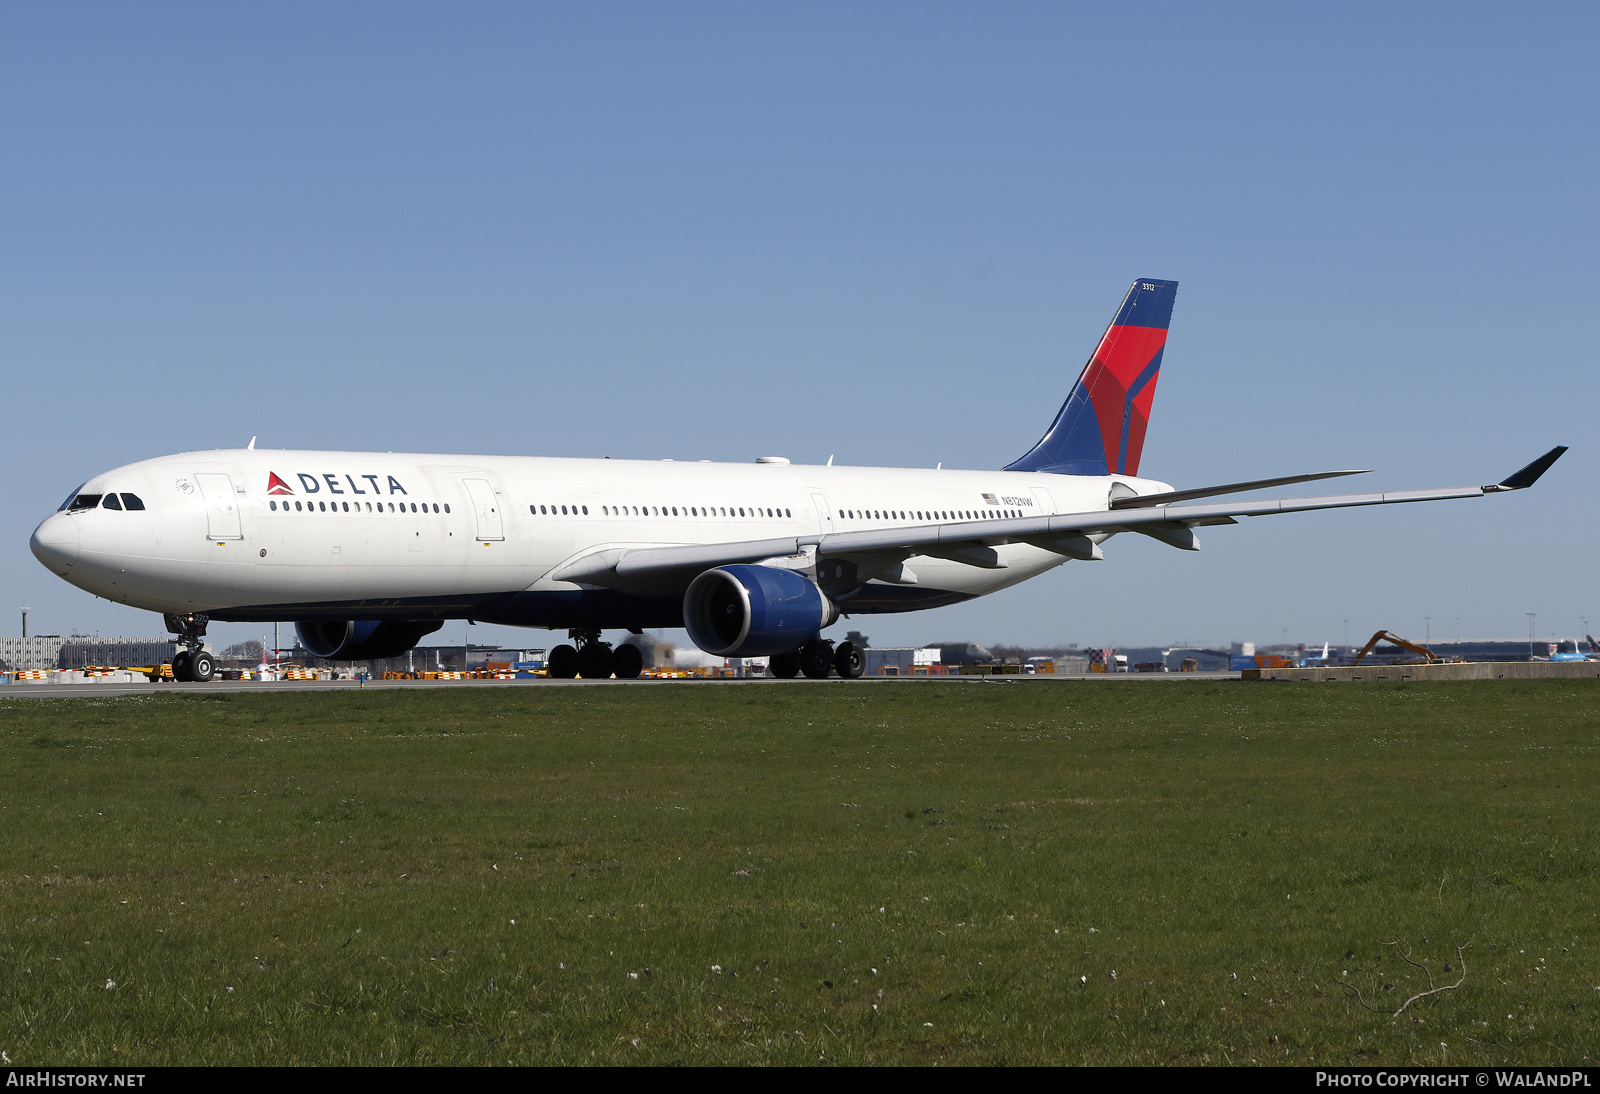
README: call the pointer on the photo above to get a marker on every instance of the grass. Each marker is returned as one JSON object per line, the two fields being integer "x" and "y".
{"x": 975, "y": 873}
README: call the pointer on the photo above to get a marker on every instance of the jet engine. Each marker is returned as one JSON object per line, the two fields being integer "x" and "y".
{"x": 753, "y": 611}
{"x": 363, "y": 639}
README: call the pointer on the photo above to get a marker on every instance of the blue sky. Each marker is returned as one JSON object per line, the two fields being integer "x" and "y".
{"x": 890, "y": 232}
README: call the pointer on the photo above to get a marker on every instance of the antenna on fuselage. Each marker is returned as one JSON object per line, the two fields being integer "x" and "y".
{"x": 251, "y": 447}
{"x": 830, "y": 459}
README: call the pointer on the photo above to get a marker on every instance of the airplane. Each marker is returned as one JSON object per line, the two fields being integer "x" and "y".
{"x": 1570, "y": 649}
{"x": 367, "y": 553}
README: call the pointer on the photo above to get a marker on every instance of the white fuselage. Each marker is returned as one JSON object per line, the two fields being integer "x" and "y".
{"x": 256, "y": 534}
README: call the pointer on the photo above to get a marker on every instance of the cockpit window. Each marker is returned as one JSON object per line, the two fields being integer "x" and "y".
{"x": 111, "y": 502}
{"x": 84, "y": 501}
{"x": 132, "y": 501}
{"x": 70, "y": 496}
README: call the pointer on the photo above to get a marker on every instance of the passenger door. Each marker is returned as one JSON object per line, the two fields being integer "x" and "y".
{"x": 486, "y": 506}
{"x": 824, "y": 514}
{"x": 222, "y": 506}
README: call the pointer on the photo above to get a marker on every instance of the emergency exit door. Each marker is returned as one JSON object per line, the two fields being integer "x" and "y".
{"x": 486, "y": 508}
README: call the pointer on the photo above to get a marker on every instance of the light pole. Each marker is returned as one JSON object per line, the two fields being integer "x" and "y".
{"x": 1347, "y": 633}
{"x": 1532, "y": 616}
{"x": 25, "y": 612}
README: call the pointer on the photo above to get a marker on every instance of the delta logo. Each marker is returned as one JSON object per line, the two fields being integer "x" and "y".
{"x": 311, "y": 484}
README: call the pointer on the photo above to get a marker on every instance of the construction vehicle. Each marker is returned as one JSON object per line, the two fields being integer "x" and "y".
{"x": 1425, "y": 656}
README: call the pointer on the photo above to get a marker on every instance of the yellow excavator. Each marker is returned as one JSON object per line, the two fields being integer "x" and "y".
{"x": 1425, "y": 656}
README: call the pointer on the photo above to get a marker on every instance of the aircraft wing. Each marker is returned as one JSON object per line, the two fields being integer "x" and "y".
{"x": 973, "y": 541}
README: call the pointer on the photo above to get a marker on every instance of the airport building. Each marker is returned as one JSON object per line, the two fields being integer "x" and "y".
{"x": 37, "y": 651}
{"x": 83, "y": 653}
{"x": 78, "y": 651}
{"x": 899, "y": 660}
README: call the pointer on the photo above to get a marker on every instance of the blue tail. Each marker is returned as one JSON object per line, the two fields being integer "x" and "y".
{"x": 1101, "y": 427}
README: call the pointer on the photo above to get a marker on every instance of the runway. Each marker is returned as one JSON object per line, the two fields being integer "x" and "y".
{"x": 230, "y": 687}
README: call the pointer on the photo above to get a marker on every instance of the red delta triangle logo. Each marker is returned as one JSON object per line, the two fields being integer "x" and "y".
{"x": 276, "y": 485}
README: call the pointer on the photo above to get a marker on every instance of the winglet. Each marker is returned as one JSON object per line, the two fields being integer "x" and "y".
{"x": 1530, "y": 474}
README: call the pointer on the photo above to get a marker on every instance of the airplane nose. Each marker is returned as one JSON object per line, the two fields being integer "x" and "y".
{"x": 55, "y": 543}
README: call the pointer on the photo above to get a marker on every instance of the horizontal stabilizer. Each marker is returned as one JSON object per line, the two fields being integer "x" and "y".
{"x": 1144, "y": 501}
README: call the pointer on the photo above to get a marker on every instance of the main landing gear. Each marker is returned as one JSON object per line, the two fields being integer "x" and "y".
{"x": 593, "y": 659}
{"x": 818, "y": 659}
{"x": 192, "y": 664}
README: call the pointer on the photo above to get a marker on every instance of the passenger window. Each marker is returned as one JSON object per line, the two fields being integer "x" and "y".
{"x": 585, "y": 510}
{"x": 274, "y": 506}
{"x": 111, "y": 502}
{"x": 132, "y": 502}
{"x": 447, "y": 507}
{"x": 346, "y": 506}
{"x": 296, "y": 507}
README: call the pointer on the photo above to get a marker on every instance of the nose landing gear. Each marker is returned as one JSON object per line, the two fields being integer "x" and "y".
{"x": 192, "y": 664}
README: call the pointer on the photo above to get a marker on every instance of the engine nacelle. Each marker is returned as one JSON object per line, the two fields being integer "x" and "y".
{"x": 753, "y": 611}
{"x": 363, "y": 639}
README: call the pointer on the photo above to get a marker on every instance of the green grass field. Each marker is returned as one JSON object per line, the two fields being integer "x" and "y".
{"x": 963, "y": 873}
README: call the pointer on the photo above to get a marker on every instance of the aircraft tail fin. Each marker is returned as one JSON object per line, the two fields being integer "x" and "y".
{"x": 1100, "y": 429}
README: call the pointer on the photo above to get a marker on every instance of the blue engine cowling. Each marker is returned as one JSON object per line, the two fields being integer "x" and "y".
{"x": 753, "y": 611}
{"x": 362, "y": 639}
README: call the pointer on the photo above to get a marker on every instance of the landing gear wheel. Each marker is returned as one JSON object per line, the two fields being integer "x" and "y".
{"x": 202, "y": 666}
{"x": 851, "y": 660}
{"x": 594, "y": 660}
{"x": 785, "y": 666}
{"x": 180, "y": 667}
{"x": 562, "y": 664}
{"x": 816, "y": 659}
{"x": 627, "y": 662}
